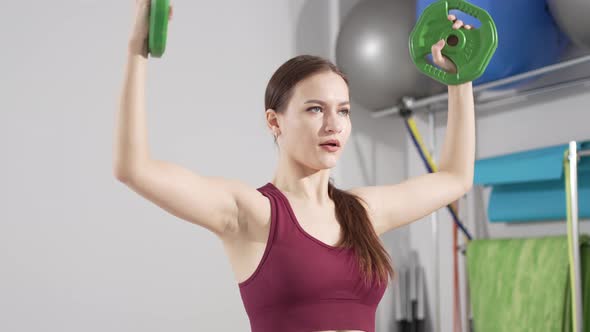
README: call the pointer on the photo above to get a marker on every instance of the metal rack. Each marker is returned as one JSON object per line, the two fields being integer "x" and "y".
{"x": 435, "y": 103}
{"x": 574, "y": 157}
{"x": 430, "y": 103}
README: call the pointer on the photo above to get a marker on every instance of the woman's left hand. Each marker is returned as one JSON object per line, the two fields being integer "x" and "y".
{"x": 440, "y": 60}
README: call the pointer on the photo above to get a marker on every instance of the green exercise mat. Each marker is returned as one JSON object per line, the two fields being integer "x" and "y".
{"x": 585, "y": 260}
{"x": 522, "y": 284}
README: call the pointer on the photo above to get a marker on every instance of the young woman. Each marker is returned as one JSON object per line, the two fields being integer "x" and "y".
{"x": 306, "y": 255}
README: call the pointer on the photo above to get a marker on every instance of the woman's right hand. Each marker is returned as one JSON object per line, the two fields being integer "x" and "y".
{"x": 138, "y": 41}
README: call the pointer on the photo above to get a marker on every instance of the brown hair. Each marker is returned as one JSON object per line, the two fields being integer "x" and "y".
{"x": 357, "y": 229}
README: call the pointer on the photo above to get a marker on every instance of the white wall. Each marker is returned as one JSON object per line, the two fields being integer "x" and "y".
{"x": 79, "y": 250}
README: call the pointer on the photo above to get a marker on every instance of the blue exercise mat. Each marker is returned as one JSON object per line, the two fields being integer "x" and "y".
{"x": 529, "y": 185}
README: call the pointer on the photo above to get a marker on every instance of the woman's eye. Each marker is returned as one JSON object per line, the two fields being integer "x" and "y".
{"x": 345, "y": 111}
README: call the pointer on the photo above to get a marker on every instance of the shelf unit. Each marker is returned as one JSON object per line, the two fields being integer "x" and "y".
{"x": 485, "y": 98}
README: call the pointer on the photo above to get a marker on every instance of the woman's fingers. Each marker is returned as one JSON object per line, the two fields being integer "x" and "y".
{"x": 457, "y": 24}
{"x": 436, "y": 51}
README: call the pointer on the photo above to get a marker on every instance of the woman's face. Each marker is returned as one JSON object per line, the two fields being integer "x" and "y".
{"x": 317, "y": 112}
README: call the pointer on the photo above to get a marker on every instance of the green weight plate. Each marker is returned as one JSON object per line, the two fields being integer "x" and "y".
{"x": 159, "y": 13}
{"x": 470, "y": 50}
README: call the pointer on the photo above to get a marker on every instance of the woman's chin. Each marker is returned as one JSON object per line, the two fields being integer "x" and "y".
{"x": 329, "y": 162}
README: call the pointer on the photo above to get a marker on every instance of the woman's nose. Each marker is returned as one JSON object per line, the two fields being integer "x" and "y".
{"x": 334, "y": 125}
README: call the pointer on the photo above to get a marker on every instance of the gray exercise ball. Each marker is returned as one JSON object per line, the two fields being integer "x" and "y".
{"x": 372, "y": 50}
{"x": 573, "y": 17}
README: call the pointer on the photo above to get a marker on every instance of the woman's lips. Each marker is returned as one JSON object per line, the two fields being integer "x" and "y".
{"x": 330, "y": 148}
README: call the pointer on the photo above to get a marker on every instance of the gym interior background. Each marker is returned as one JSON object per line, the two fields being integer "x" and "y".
{"x": 79, "y": 251}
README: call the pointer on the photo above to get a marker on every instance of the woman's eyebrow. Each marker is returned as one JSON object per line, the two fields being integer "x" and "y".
{"x": 316, "y": 101}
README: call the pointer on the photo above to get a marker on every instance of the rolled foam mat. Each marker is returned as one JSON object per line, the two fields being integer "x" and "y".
{"x": 528, "y": 185}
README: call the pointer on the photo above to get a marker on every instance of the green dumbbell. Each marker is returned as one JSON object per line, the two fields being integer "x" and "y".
{"x": 159, "y": 13}
{"x": 470, "y": 50}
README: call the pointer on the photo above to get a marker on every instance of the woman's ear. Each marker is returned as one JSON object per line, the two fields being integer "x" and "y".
{"x": 272, "y": 121}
